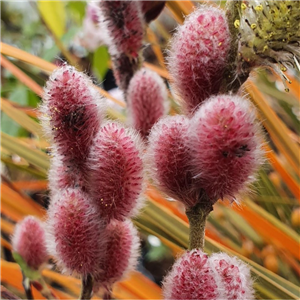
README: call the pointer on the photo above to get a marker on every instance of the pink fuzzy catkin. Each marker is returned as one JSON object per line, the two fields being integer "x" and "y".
{"x": 147, "y": 99}
{"x": 219, "y": 277}
{"x": 29, "y": 241}
{"x": 122, "y": 251}
{"x": 123, "y": 21}
{"x": 233, "y": 277}
{"x": 169, "y": 159}
{"x": 71, "y": 114}
{"x": 115, "y": 177}
{"x": 226, "y": 146}
{"x": 191, "y": 278}
{"x": 198, "y": 56}
{"x": 75, "y": 233}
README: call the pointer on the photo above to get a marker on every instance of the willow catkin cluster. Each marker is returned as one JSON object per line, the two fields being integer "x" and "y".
{"x": 219, "y": 277}
{"x": 218, "y": 151}
{"x": 268, "y": 35}
{"x": 95, "y": 181}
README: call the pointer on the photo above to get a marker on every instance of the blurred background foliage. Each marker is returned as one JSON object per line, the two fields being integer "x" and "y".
{"x": 263, "y": 229}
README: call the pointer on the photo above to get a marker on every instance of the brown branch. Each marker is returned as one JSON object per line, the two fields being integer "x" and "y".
{"x": 87, "y": 287}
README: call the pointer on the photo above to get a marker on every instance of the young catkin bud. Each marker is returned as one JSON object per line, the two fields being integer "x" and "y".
{"x": 75, "y": 233}
{"x": 169, "y": 159}
{"x": 219, "y": 277}
{"x": 198, "y": 56}
{"x": 29, "y": 242}
{"x": 115, "y": 177}
{"x": 122, "y": 251}
{"x": 71, "y": 114}
{"x": 123, "y": 21}
{"x": 226, "y": 146}
{"x": 269, "y": 35}
{"x": 147, "y": 100}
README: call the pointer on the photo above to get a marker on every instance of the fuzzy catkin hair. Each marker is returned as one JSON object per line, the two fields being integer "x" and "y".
{"x": 115, "y": 177}
{"x": 122, "y": 251}
{"x": 198, "y": 56}
{"x": 123, "y": 21}
{"x": 75, "y": 233}
{"x": 72, "y": 113}
{"x": 29, "y": 241}
{"x": 219, "y": 277}
{"x": 226, "y": 146}
{"x": 147, "y": 100}
{"x": 169, "y": 159}
{"x": 62, "y": 176}
{"x": 191, "y": 278}
{"x": 233, "y": 277}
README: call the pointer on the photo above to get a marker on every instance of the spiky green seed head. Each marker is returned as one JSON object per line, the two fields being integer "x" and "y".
{"x": 269, "y": 35}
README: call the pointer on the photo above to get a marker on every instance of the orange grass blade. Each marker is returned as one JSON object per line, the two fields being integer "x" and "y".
{"x": 21, "y": 76}
{"x": 175, "y": 11}
{"x": 26, "y": 109}
{"x": 268, "y": 231}
{"x": 5, "y": 244}
{"x": 158, "y": 70}
{"x": 44, "y": 65}
{"x": 38, "y": 185}
{"x": 137, "y": 285}
{"x": 21, "y": 118}
{"x": 273, "y": 123}
{"x": 7, "y": 227}
{"x": 24, "y": 205}
{"x": 27, "y": 57}
{"x": 10, "y": 212}
{"x": 286, "y": 177}
{"x": 156, "y": 47}
{"x": 11, "y": 274}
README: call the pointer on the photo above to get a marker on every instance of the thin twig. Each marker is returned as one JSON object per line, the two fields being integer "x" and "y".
{"x": 27, "y": 287}
{"x": 197, "y": 216}
{"x": 87, "y": 287}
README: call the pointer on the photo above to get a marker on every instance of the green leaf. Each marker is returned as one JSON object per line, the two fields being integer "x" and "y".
{"x": 33, "y": 156}
{"x": 78, "y": 9}
{"x": 31, "y": 274}
{"x": 100, "y": 62}
{"x": 54, "y": 15}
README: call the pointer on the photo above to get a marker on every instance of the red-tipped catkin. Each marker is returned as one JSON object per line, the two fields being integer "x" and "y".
{"x": 219, "y": 277}
{"x": 115, "y": 174}
{"x": 71, "y": 113}
{"x": 123, "y": 21}
{"x": 233, "y": 277}
{"x": 226, "y": 145}
{"x": 191, "y": 278}
{"x": 122, "y": 251}
{"x": 198, "y": 56}
{"x": 29, "y": 241}
{"x": 147, "y": 100}
{"x": 169, "y": 159}
{"x": 75, "y": 233}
